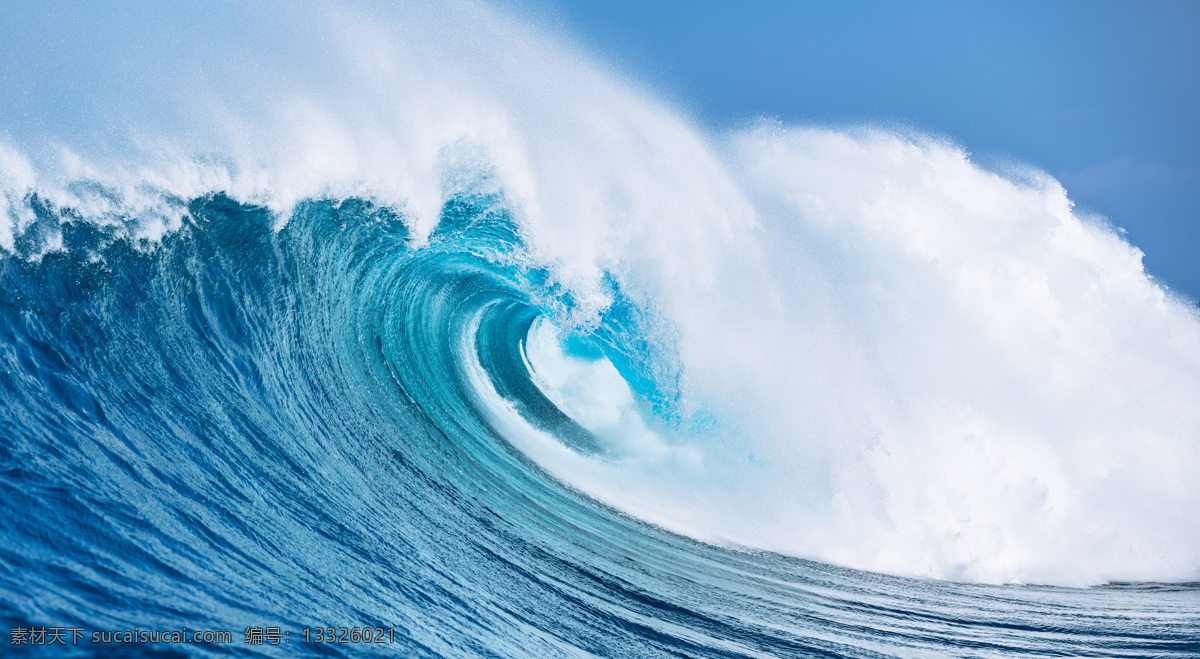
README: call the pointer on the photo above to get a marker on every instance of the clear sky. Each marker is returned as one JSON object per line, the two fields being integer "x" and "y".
{"x": 1103, "y": 95}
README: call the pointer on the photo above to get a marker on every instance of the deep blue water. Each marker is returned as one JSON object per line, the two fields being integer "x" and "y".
{"x": 242, "y": 427}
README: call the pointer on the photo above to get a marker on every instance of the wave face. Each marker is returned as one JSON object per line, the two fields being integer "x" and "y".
{"x": 429, "y": 323}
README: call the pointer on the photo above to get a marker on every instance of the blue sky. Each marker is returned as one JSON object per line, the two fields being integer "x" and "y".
{"x": 1103, "y": 95}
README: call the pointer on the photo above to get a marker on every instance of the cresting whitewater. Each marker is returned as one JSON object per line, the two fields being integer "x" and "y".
{"x": 416, "y": 318}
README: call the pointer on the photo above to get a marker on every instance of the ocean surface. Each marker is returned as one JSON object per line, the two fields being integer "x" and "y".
{"x": 422, "y": 320}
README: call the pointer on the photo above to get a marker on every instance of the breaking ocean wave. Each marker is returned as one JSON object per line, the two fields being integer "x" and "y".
{"x": 426, "y": 321}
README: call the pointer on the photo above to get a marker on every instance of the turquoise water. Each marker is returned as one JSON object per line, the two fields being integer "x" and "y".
{"x": 240, "y": 427}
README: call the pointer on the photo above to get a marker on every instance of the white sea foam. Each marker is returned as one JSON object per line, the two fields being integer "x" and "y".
{"x": 915, "y": 365}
